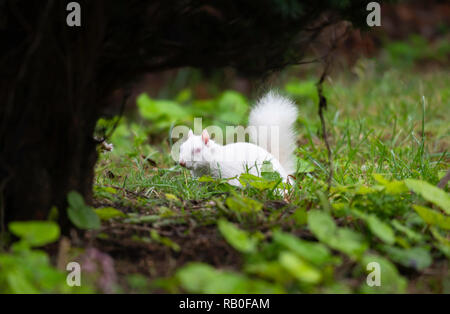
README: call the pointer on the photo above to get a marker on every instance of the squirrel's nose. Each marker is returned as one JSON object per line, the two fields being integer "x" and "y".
{"x": 182, "y": 163}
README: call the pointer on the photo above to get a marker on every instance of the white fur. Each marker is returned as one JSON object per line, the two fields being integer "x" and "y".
{"x": 276, "y": 110}
{"x": 203, "y": 156}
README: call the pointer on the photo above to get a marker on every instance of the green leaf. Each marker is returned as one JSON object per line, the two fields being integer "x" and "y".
{"x": 268, "y": 174}
{"x": 390, "y": 280}
{"x": 260, "y": 183}
{"x": 431, "y": 193}
{"x": 19, "y": 284}
{"x": 207, "y": 179}
{"x": 232, "y": 107}
{"x": 417, "y": 257}
{"x": 269, "y": 269}
{"x": 242, "y": 204}
{"x": 306, "y": 89}
{"x": 411, "y": 234}
{"x": 433, "y": 217}
{"x": 438, "y": 236}
{"x": 315, "y": 253}
{"x": 195, "y": 277}
{"x": 237, "y": 238}
{"x": 349, "y": 242}
{"x": 154, "y": 110}
{"x": 345, "y": 240}
{"x": 171, "y": 197}
{"x": 300, "y": 269}
{"x": 35, "y": 233}
{"x": 364, "y": 190}
{"x": 107, "y": 213}
{"x": 81, "y": 215}
{"x": 381, "y": 229}
{"x": 321, "y": 224}
{"x": 391, "y": 187}
{"x": 300, "y": 216}
{"x": 202, "y": 278}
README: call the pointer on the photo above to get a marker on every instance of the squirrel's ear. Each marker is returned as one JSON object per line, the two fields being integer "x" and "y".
{"x": 190, "y": 134}
{"x": 205, "y": 136}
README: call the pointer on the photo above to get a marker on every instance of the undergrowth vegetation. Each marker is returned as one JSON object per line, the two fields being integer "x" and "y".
{"x": 167, "y": 231}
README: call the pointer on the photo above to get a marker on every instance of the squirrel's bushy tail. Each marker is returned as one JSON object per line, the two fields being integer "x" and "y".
{"x": 274, "y": 110}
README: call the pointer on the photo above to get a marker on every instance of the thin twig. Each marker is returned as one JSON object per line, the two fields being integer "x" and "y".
{"x": 323, "y": 100}
{"x": 322, "y": 107}
{"x": 105, "y": 136}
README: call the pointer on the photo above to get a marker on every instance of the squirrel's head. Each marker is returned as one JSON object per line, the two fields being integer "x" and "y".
{"x": 196, "y": 152}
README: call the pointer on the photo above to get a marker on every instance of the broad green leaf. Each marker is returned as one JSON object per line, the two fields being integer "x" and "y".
{"x": 106, "y": 189}
{"x": 321, "y": 224}
{"x": 184, "y": 95}
{"x": 35, "y": 233}
{"x": 381, "y": 229}
{"x": 241, "y": 204}
{"x": 153, "y": 109}
{"x": 171, "y": 197}
{"x": 195, "y": 277}
{"x": 417, "y": 257}
{"x": 202, "y": 278}
{"x": 348, "y": 241}
{"x": 259, "y": 183}
{"x": 232, "y": 107}
{"x": 445, "y": 249}
{"x": 299, "y": 268}
{"x": 303, "y": 88}
{"x": 364, "y": 190}
{"x": 390, "y": 280}
{"x": 272, "y": 270}
{"x": 315, "y": 253}
{"x": 300, "y": 216}
{"x": 438, "y": 236}
{"x": 391, "y": 187}
{"x": 431, "y": 193}
{"x": 237, "y": 238}
{"x": 19, "y": 283}
{"x": 395, "y": 187}
{"x": 30, "y": 271}
{"x": 207, "y": 179}
{"x": 107, "y": 213}
{"x": 433, "y": 217}
{"x": 411, "y": 234}
{"x": 380, "y": 178}
{"x": 81, "y": 215}
{"x": 269, "y": 174}
{"x": 345, "y": 240}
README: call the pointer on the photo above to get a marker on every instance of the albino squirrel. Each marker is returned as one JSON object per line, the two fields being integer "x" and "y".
{"x": 272, "y": 136}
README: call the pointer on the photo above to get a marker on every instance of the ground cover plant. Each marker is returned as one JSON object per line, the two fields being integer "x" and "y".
{"x": 154, "y": 228}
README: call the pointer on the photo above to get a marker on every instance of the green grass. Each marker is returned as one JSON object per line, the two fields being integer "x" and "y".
{"x": 386, "y": 126}
{"x": 166, "y": 231}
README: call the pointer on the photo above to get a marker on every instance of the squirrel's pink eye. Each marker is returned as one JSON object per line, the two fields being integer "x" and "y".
{"x": 197, "y": 150}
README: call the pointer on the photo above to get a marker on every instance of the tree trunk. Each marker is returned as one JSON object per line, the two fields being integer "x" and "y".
{"x": 55, "y": 80}
{"x": 50, "y": 105}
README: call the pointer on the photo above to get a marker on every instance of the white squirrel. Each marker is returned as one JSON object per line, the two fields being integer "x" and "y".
{"x": 272, "y": 135}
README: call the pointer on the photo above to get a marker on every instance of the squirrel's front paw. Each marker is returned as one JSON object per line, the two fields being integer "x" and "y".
{"x": 109, "y": 147}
